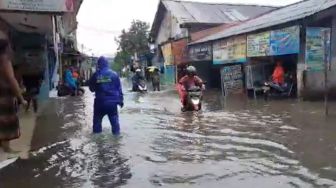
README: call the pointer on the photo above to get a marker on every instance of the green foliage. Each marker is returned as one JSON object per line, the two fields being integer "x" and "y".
{"x": 120, "y": 60}
{"x": 131, "y": 41}
{"x": 135, "y": 39}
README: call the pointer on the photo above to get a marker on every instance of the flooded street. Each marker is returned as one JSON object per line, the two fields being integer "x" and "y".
{"x": 238, "y": 143}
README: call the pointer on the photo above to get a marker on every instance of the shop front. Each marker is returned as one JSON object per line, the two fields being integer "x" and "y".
{"x": 200, "y": 56}
{"x": 229, "y": 55}
{"x": 31, "y": 54}
{"x": 265, "y": 50}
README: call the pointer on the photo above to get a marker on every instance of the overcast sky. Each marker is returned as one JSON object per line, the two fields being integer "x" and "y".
{"x": 100, "y": 21}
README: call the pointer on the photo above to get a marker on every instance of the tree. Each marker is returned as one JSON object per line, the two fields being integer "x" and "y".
{"x": 130, "y": 42}
{"x": 121, "y": 59}
{"x": 135, "y": 40}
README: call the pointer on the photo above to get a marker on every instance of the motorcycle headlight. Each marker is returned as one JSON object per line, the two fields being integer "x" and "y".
{"x": 195, "y": 100}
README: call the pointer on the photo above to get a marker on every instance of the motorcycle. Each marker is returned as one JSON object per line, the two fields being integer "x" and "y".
{"x": 140, "y": 86}
{"x": 271, "y": 89}
{"x": 194, "y": 99}
{"x": 63, "y": 90}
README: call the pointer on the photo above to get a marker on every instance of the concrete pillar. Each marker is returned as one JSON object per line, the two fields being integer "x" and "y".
{"x": 301, "y": 66}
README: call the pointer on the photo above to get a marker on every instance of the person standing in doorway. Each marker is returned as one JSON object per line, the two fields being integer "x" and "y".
{"x": 9, "y": 91}
{"x": 107, "y": 86}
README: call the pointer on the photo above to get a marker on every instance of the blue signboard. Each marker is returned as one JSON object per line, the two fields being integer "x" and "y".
{"x": 316, "y": 40}
{"x": 285, "y": 41}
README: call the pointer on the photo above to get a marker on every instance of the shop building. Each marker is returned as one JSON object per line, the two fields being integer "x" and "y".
{"x": 301, "y": 35}
{"x": 175, "y": 21}
{"x": 34, "y": 30}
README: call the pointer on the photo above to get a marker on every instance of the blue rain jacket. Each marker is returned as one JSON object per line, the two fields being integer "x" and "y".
{"x": 106, "y": 84}
{"x": 69, "y": 80}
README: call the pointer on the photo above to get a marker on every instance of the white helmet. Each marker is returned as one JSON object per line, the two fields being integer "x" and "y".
{"x": 191, "y": 70}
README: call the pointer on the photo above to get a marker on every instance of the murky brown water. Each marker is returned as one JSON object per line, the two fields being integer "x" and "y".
{"x": 237, "y": 143}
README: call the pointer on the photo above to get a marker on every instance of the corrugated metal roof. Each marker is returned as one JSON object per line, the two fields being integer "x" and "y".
{"x": 280, "y": 16}
{"x": 196, "y": 12}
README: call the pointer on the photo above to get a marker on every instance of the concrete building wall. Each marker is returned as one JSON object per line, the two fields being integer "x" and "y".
{"x": 170, "y": 28}
{"x": 165, "y": 30}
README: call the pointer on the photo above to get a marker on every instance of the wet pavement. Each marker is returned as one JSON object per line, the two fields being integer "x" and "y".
{"x": 232, "y": 143}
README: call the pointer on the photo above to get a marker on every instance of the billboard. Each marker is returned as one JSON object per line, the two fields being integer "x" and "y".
{"x": 201, "y": 52}
{"x": 258, "y": 44}
{"x": 230, "y": 50}
{"x": 38, "y": 5}
{"x": 285, "y": 41}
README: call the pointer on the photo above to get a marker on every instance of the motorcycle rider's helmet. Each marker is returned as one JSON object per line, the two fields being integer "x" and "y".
{"x": 138, "y": 71}
{"x": 191, "y": 71}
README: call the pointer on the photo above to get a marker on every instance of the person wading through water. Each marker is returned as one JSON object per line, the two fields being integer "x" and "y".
{"x": 9, "y": 92}
{"x": 107, "y": 87}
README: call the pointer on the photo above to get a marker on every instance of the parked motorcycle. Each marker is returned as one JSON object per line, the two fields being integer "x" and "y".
{"x": 274, "y": 90}
{"x": 194, "y": 99}
{"x": 63, "y": 90}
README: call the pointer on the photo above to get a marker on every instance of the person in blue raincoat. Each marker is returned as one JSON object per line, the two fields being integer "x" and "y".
{"x": 107, "y": 86}
{"x": 70, "y": 81}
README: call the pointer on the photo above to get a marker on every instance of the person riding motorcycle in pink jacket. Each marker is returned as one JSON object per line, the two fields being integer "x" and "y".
{"x": 188, "y": 81}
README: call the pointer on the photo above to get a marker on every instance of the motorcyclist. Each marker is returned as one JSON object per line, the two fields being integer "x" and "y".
{"x": 278, "y": 77}
{"x": 136, "y": 79}
{"x": 188, "y": 81}
{"x": 107, "y": 86}
{"x": 70, "y": 82}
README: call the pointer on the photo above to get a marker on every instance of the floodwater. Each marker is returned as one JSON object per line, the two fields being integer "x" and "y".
{"x": 233, "y": 143}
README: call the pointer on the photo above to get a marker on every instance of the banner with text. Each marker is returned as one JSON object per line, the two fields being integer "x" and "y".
{"x": 201, "y": 52}
{"x": 258, "y": 44}
{"x": 285, "y": 41}
{"x": 38, "y": 6}
{"x": 231, "y": 50}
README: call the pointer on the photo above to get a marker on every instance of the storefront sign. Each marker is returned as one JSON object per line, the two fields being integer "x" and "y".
{"x": 230, "y": 50}
{"x": 285, "y": 41}
{"x": 167, "y": 54}
{"x": 258, "y": 44}
{"x": 38, "y": 5}
{"x": 315, "y": 48}
{"x": 202, "y": 52}
{"x": 232, "y": 79}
